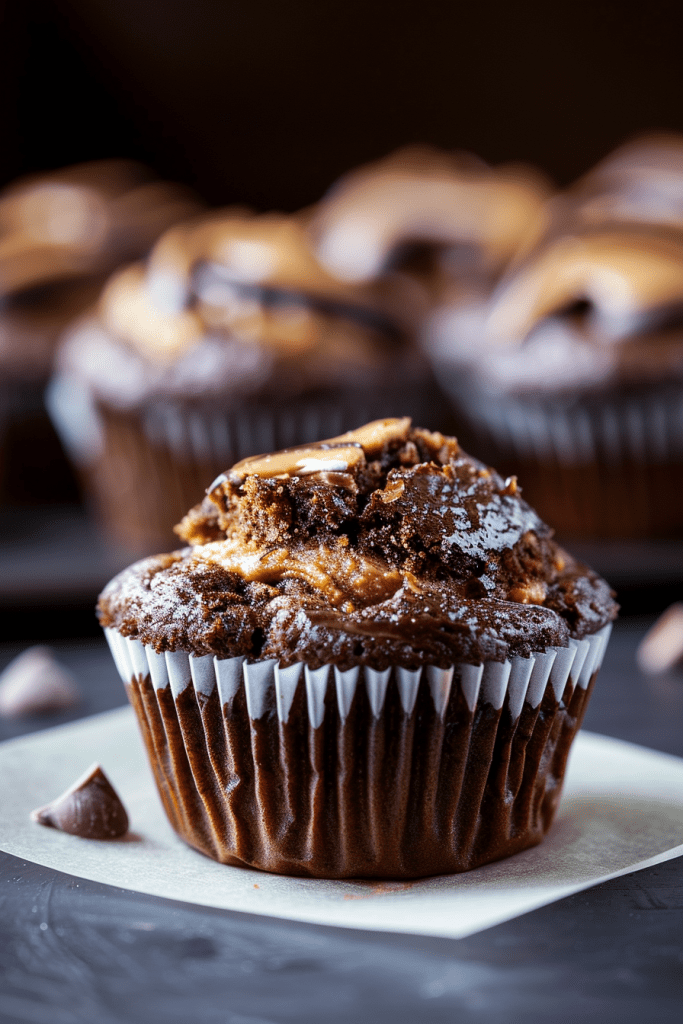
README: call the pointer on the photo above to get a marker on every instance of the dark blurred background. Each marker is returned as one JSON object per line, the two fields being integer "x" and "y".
{"x": 266, "y": 102}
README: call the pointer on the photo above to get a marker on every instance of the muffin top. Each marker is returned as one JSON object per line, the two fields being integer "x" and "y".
{"x": 388, "y": 545}
{"x": 61, "y": 234}
{"x": 594, "y": 309}
{"x": 595, "y": 305}
{"x": 591, "y": 311}
{"x": 445, "y": 216}
{"x": 81, "y": 221}
{"x": 640, "y": 182}
{"x": 232, "y": 303}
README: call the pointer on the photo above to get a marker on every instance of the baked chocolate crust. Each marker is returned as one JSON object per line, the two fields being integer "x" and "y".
{"x": 386, "y": 546}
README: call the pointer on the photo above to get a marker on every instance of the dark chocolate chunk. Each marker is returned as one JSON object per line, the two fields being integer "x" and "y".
{"x": 91, "y": 808}
{"x": 34, "y": 683}
{"x": 661, "y": 648}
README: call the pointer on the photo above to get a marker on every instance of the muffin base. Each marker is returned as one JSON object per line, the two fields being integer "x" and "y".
{"x": 362, "y": 782}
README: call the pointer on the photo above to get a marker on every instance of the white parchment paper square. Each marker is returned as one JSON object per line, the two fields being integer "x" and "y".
{"x": 622, "y": 809}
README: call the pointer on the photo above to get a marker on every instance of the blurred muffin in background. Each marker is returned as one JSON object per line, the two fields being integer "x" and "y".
{"x": 230, "y": 340}
{"x": 640, "y": 182}
{"x": 445, "y": 223}
{"x": 61, "y": 234}
{"x": 447, "y": 220}
{"x": 576, "y": 378}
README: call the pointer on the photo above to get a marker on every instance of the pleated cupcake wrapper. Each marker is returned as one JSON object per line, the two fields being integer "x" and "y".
{"x": 225, "y": 437}
{"x": 324, "y": 773}
{"x": 75, "y": 417}
{"x": 219, "y": 437}
{"x": 191, "y": 433}
{"x": 520, "y": 680}
{"x": 641, "y": 430}
{"x": 252, "y": 427}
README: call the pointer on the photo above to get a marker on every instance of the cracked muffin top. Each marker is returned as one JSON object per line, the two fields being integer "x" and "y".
{"x": 388, "y": 545}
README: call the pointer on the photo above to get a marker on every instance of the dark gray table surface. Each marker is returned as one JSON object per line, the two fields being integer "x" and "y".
{"x": 73, "y": 951}
{"x": 58, "y": 553}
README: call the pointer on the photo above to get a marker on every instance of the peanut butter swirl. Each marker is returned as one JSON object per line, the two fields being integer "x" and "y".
{"x": 592, "y": 310}
{"x": 422, "y": 194}
{"x": 625, "y": 276}
{"x": 233, "y": 306}
{"x": 385, "y": 546}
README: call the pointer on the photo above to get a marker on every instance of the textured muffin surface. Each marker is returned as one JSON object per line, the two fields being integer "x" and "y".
{"x": 385, "y": 546}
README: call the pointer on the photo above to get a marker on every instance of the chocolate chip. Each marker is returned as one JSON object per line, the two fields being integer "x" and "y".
{"x": 36, "y": 684}
{"x": 91, "y": 809}
{"x": 662, "y": 646}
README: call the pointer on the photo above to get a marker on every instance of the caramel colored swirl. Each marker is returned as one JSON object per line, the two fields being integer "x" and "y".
{"x": 83, "y": 221}
{"x": 268, "y": 251}
{"x": 640, "y": 182}
{"x": 419, "y": 194}
{"x": 410, "y": 553}
{"x": 338, "y": 574}
{"x": 339, "y": 454}
{"x": 589, "y": 311}
{"x": 250, "y": 281}
{"x": 128, "y": 311}
{"x": 625, "y": 276}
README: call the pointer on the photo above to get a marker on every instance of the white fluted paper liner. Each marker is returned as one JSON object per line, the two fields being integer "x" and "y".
{"x": 75, "y": 417}
{"x": 189, "y": 433}
{"x": 236, "y": 431}
{"x": 219, "y": 436}
{"x": 640, "y": 430}
{"x": 521, "y": 680}
{"x": 226, "y": 436}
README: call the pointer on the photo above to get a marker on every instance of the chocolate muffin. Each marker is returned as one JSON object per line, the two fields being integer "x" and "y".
{"x": 574, "y": 378}
{"x": 229, "y": 340}
{"x": 61, "y": 234}
{"x": 370, "y": 661}
{"x": 445, "y": 224}
{"x": 640, "y": 182}
{"x": 445, "y": 218}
